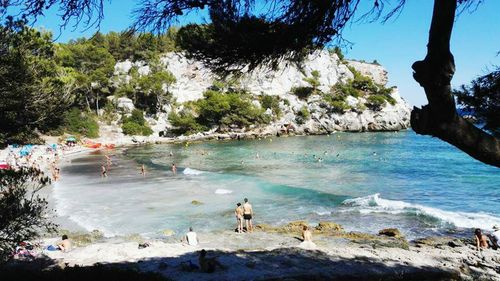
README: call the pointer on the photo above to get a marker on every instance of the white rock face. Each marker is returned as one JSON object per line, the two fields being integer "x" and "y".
{"x": 376, "y": 72}
{"x": 125, "y": 104}
{"x": 193, "y": 78}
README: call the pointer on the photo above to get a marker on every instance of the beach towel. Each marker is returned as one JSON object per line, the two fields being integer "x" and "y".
{"x": 52, "y": 248}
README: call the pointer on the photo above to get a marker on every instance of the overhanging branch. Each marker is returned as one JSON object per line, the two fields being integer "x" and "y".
{"x": 439, "y": 118}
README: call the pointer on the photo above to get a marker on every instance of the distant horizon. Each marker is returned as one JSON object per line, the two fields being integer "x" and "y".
{"x": 396, "y": 45}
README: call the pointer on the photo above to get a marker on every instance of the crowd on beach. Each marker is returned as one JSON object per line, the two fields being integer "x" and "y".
{"x": 42, "y": 158}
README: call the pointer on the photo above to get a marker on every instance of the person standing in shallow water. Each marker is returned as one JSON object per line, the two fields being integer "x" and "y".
{"x": 143, "y": 170}
{"x": 239, "y": 217}
{"x": 247, "y": 215}
{"x": 174, "y": 169}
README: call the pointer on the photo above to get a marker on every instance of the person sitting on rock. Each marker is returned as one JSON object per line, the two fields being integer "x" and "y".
{"x": 495, "y": 237}
{"x": 481, "y": 239}
{"x": 65, "y": 244}
{"x": 306, "y": 234}
{"x": 307, "y": 242}
{"x": 191, "y": 238}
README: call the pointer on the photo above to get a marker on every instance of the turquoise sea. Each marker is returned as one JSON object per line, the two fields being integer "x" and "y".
{"x": 364, "y": 181}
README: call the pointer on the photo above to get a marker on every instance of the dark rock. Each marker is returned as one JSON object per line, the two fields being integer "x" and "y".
{"x": 391, "y": 232}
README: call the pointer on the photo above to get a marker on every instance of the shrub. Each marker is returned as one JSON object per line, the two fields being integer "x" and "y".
{"x": 302, "y": 115}
{"x": 272, "y": 102}
{"x": 218, "y": 108}
{"x": 109, "y": 114}
{"x": 185, "y": 123}
{"x": 136, "y": 124}
{"x": 313, "y": 81}
{"x": 337, "y": 102}
{"x": 23, "y": 213}
{"x": 302, "y": 93}
{"x": 137, "y": 117}
{"x": 338, "y": 51}
{"x": 375, "y": 102}
{"x": 81, "y": 123}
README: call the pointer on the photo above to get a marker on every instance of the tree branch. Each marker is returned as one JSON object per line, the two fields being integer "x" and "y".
{"x": 439, "y": 118}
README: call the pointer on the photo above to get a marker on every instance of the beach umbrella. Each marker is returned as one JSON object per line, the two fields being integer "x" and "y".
{"x": 71, "y": 139}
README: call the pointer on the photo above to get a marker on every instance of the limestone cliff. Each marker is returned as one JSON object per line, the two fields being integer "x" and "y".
{"x": 193, "y": 79}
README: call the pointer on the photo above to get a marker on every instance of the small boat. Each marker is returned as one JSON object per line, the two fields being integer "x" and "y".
{"x": 93, "y": 145}
{"x": 4, "y": 166}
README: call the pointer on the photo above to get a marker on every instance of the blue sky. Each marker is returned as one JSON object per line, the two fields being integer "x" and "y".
{"x": 395, "y": 44}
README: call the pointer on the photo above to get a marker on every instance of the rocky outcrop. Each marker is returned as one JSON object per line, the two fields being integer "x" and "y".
{"x": 193, "y": 78}
{"x": 391, "y": 232}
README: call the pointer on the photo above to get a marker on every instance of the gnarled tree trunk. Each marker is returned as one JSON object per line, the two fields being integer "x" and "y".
{"x": 439, "y": 118}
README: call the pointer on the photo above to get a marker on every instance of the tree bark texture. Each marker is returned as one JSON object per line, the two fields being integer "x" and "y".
{"x": 439, "y": 117}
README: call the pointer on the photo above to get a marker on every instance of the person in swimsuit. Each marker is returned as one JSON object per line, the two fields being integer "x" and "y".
{"x": 174, "y": 168}
{"x": 65, "y": 244}
{"x": 481, "y": 239}
{"x": 143, "y": 170}
{"x": 247, "y": 215}
{"x": 104, "y": 171}
{"x": 306, "y": 234}
{"x": 238, "y": 212}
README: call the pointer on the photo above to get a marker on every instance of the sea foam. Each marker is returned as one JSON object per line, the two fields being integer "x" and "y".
{"x": 194, "y": 172}
{"x": 375, "y": 204}
{"x": 223, "y": 191}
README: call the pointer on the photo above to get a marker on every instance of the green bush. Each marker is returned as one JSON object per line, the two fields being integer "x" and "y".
{"x": 303, "y": 115}
{"x": 109, "y": 114}
{"x": 185, "y": 123}
{"x": 272, "y": 102}
{"x": 81, "y": 123}
{"x": 346, "y": 90}
{"x": 218, "y": 108}
{"x": 375, "y": 101}
{"x": 137, "y": 117}
{"x": 136, "y": 124}
{"x": 338, "y": 51}
{"x": 337, "y": 102}
{"x": 302, "y": 93}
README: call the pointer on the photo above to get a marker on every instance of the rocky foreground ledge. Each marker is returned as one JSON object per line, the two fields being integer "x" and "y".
{"x": 275, "y": 253}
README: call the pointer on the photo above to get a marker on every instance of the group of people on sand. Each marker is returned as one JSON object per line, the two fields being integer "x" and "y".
{"x": 485, "y": 241}
{"x": 244, "y": 213}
